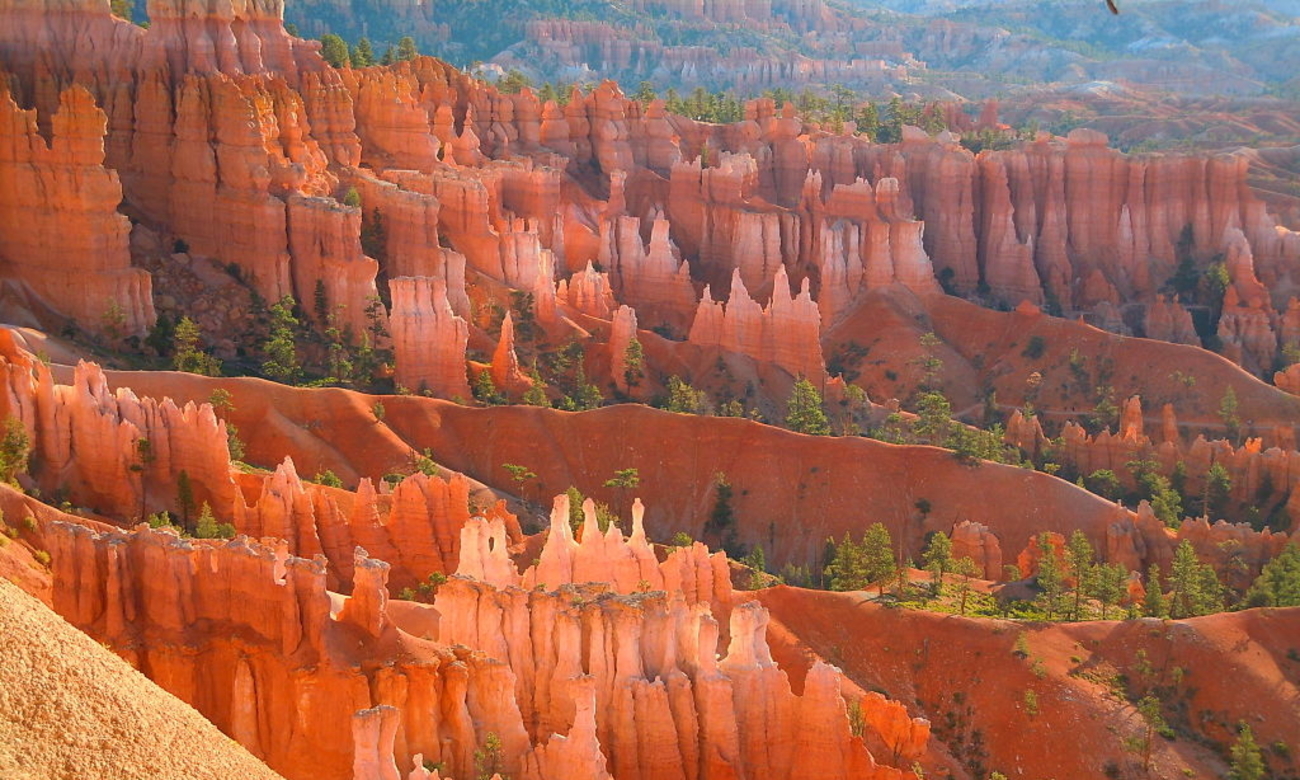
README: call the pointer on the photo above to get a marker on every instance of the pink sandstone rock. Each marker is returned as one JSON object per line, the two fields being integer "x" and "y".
{"x": 429, "y": 339}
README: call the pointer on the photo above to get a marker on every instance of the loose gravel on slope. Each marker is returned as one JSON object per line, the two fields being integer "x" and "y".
{"x": 69, "y": 708}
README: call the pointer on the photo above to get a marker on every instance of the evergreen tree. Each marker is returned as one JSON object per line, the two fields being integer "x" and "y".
{"x": 938, "y": 560}
{"x": 871, "y": 561}
{"x": 685, "y": 399}
{"x": 15, "y": 449}
{"x": 868, "y": 121}
{"x": 535, "y": 395}
{"x": 406, "y": 49}
{"x": 722, "y": 515}
{"x": 804, "y": 413}
{"x": 965, "y": 569}
{"x": 1155, "y": 605}
{"x": 184, "y": 497}
{"x": 623, "y": 481}
{"x": 363, "y": 55}
{"x": 1079, "y": 555}
{"x": 374, "y": 236}
{"x": 1050, "y": 579}
{"x": 1278, "y": 585}
{"x": 1108, "y": 581}
{"x": 1247, "y": 760}
{"x": 335, "y": 51}
{"x": 933, "y": 418}
{"x": 1194, "y": 587}
{"x": 1166, "y": 503}
{"x": 485, "y": 390}
{"x": 1228, "y": 413}
{"x": 645, "y": 93}
{"x": 281, "y": 348}
{"x": 390, "y": 55}
{"x": 186, "y": 354}
{"x": 521, "y": 475}
{"x": 1218, "y": 491}
{"x": 207, "y": 527}
{"x": 634, "y": 363}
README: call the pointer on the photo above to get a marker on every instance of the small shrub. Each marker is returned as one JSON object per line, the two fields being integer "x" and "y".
{"x": 857, "y": 720}
{"x": 42, "y": 557}
{"x": 329, "y": 479}
{"x": 1031, "y": 703}
{"x": 1035, "y": 348}
{"x": 682, "y": 539}
{"x": 29, "y": 524}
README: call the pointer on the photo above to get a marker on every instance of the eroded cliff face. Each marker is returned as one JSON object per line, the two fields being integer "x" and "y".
{"x": 60, "y": 233}
{"x": 573, "y": 682}
{"x": 1139, "y": 540}
{"x": 251, "y": 169}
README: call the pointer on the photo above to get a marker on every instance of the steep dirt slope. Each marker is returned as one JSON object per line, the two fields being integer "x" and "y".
{"x": 791, "y": 491}
{"x": 986, "y": 350}
{"x": 967, "y": 677}
{"x": 69, "y": 708}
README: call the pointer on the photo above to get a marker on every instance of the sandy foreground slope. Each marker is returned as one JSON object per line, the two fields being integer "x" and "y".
{"x": 69, "y": 708}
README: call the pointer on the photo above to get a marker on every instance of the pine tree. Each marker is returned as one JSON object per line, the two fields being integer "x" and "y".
{"x": 933, "y": 418}
{"x": 938, "y": 560}
{"x": 1228, "y": 413}
{"x": 406, "y": 49}
{"x": 854, "y": 566}
{"x": 281, "y": 348}
{"x": 186, "y": 354}
{"x": 184, "y": 497}
{"x": 1247, "y": 760}
{"x": 1218, "y": 491}
{"x": 1049, "y": 578}
{"x": 1079, "y": 555}
{"x": 363, "y": 56}
{"x": 685, "y": 399}
{"x": 1155, "y": 605}
{"x": 623, "y": 481}
{"x": 15, "y": 449}
{"x": 335, "y": 51}
{"x": 535, "y": 395}
{"x": 1108, "y": 580}
{"x": 804, "y": 413}
{"x": 207, "y": 527}
{"x": 1278, "y": 585}
{"x": 722, "y": 515}
{"x": 1195, "y": 588}
{"x": 634, "y": 363}
{"x": 965, "y": 569}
